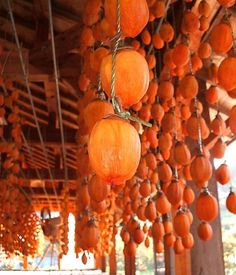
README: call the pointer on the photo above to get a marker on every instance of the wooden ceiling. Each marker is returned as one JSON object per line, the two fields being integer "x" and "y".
{"x": 32, "y": 25}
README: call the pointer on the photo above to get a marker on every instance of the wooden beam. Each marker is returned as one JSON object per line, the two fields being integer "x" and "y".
{"x": 42, "y": 54}
{"x": 25, "y": 34}
{"x": 27, "y": 105}
{"x": 29, "y": 115}
{"x": 58, "y": 174}
{"x": 50, "y": 134}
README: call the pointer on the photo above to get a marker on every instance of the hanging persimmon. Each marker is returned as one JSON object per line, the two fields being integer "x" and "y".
{"x": 180, "y": 55}
{"x": 204, "y": 8}
{"x": 222, "y": 174}
{"x": 201, "y": 169}
{"x": 219, "y": 148}
{"x": 232, "y": 119}
{"x": 114, "y": 149}
{"x": 134, "y": 15}
{"x": 204, "y": 231}
{"x": 188, "y": 86}
{"x": 95, "y": 111}
{"x": 131, "y": 65}
{"x": 218, "y": 125}
{"x": 181, "y": 224}
{"x": 163, "y": 206}
{"x": 98, "y": 189}
{"x": 206, "y": 206}
{"x": 178, "y": 246}
{"x": 231, "y": 202}
{"x": 188, "y": 195}
{"x": 181, "y": 153}
{"x": 221, "y": 39}
{"x": 157, "y": 230}
{"x": 174, "y": 192}
{"x": 167, "y": 32}
{"x": 90, "y": 235}
{"x": 190, "y": 22}
{"x": 188, "y": 241}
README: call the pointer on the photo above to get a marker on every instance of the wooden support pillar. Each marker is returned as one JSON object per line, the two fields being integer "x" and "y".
{"x": 25, "y": 263}
{"x": 100, "y": 263}
{"x": 104, "y": 264}
{"x": 183, "y": 263}
{"x": 207, "y": 257}
{"x": 130, "y": 268}
{"x": 177, "y": 264}
{"x": 169, "y": 261}
{"x": 112, "y": 257}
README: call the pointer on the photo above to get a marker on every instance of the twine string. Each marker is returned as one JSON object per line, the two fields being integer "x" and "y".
{"x": 115, "y": 102}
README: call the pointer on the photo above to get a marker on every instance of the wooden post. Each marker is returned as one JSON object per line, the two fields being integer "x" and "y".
{"x": 25, "y": 263}
{"x": 169, "y": 261}
{"x": 112, "y": 257}
{"x": 183, "y": 263}
{"x": 130, "y": 268}
{"x": 207, "y": 257}
{"x": 104, "y": 264}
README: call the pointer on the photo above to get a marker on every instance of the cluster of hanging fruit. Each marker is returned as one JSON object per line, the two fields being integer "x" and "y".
{"x": 150, "y": 169}
{"x": 64, "y": 215}
{"x": 95, "y": 217}
{"x": 19, "y": 223}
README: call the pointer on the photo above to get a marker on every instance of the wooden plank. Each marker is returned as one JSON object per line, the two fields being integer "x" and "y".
{"x": 69, "y": 102}
{"x": 69, "y": 114}
{"x": 183, "y": 263}
{"x": 58, "y": 174}
{"x": 35, "y": 98}
{"x": 22, "y": 103}
{"x": 39, "y": 153}
{"x": 26, "y": 114}
{"x": 70, "y": 124}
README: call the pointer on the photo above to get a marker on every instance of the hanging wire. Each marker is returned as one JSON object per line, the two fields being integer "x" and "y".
{"x": 56, "y": 73}
{"x": 30, "y": 93}
{"x": 198, "y": 126}
{"x": 168, "y": 2}
{"x": 115, "y": 102}
{"x": 114, "y": 52}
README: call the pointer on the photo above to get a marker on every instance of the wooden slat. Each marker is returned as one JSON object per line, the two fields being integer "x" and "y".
{"x": 35, "y": 99}
{"x": 69, "y": 102}
{"x": 26, "y": 114}
{"x": 39, "y": 152}
{"x": 28, "y": 107}
{"x": 69, "y": 114}
{"x": 38, "y": 157}
{"x": 70, "y": 124}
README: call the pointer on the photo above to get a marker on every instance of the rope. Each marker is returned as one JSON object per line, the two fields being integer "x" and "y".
{"x": 30, "y": 93}
{"x": 198, "y": 126}
{"x": 56, "y": 73}
{"x": 114, "y": 52}
{"x": 115, "y": 102}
